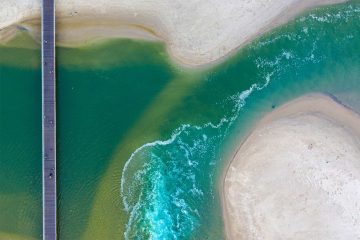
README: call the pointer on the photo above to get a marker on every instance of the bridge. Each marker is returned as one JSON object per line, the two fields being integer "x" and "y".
{"x": 48, "y": 120}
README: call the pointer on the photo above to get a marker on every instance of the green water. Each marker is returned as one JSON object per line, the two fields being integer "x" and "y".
{"x": 142, "y": 142}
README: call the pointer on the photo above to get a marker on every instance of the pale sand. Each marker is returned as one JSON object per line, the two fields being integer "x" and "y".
{"x": 297, "y": 175}
{"x": 196, "y": 32}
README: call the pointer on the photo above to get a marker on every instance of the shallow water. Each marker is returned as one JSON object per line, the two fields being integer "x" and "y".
{"x": 141, "y": 142}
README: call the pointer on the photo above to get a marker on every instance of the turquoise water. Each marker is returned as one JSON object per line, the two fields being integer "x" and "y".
{"x": 20, "y": 146}
{"x": 169, "y": 186}
{"x": 142, "y": 143}
{"x": 20, "y": 142}
{"x": 99, "y": 101}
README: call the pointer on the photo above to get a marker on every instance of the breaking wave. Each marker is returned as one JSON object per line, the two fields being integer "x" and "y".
{"x": 165, "y": 183}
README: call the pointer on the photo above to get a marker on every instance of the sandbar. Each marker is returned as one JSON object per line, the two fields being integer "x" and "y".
{"x": 196, "y": 32}
{"x": 297, "y": 175}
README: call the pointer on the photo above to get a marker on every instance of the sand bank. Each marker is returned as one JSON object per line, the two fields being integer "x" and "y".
{"x": 195, "y": 32}
{"x": 297, "y": 175}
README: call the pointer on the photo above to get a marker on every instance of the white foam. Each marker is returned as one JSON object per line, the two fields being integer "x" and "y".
{"x": 239, "y": 102}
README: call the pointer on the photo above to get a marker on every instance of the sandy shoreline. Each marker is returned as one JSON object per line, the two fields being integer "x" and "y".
{"x": 297, "y": 169}
{"x": 196, "y": 32}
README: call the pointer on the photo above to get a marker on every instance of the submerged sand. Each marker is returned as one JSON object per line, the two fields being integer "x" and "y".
{"x": 297, "y": 175}
{"x": 195, "y": 32}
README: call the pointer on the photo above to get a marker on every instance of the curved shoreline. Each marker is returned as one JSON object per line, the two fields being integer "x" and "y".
{"x": 196, "y": 33}
{"x": 319, "y": 106}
